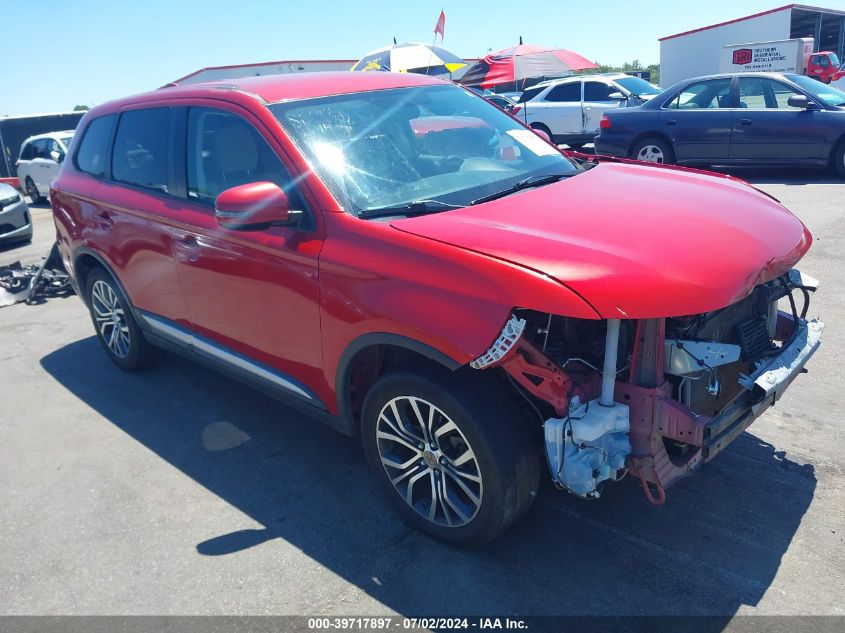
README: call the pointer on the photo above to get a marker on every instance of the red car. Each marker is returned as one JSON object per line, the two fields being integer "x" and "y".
{"x": 405, "y": 261}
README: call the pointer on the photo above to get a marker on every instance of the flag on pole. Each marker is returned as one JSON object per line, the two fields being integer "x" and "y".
{"x": 440, "y": 27}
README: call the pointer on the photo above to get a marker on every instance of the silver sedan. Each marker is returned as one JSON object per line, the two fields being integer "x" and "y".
{"x": 15, "y": 220}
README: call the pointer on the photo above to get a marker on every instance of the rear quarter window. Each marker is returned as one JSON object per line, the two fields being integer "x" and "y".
{"x": 93, "y": 149}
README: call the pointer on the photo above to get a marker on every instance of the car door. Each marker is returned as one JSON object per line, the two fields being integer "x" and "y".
{"x": 132, "y": 210}
{"x": 55, "y": 156}
{"x": 252, "y": 295}
{"x": 698, "y": 121}
{"x": 597, "y": 101}
{"x": 41, "y": 166}
{"x": 559, "y": 109}
{"x": 767, "y": 129}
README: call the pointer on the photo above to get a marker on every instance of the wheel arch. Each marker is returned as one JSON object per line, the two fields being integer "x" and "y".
{"x": 84, "y": 261}
{"x": 834, "y": 149}
{"x": 367, "y": 358}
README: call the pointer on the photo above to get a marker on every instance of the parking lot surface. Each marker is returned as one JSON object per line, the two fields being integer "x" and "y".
{"x": 177, "y": 491}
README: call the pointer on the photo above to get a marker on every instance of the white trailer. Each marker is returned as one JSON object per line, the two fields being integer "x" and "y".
{"x": 779, "y": 56}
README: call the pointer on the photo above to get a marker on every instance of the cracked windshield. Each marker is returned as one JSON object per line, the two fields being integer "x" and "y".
{"x": 416, "y": 149}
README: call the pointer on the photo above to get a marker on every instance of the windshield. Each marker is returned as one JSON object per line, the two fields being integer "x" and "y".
{"x": 637, "y": 86}
{"x": 432, "y": 144}
{"x": 66, "y": 140}
{"x": 834, "y": 60}
{"x": 824, "y": 93}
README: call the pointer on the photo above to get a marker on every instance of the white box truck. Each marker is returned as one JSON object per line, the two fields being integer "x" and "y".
{"x": 779, "y": 56}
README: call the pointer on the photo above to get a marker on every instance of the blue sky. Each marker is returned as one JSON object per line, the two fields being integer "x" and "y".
{"x": 90, "y": 51}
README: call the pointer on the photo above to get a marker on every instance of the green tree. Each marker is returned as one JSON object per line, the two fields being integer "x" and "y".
{"x": 80, "y": 108}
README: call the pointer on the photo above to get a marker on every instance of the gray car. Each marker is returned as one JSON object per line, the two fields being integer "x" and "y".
{"x": 15, "y": 221}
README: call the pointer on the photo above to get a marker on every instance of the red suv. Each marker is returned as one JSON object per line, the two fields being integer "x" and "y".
{"x": 398, "y": 257}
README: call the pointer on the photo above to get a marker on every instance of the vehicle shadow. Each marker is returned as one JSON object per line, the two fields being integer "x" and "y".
{"x": 716, "y": 545}
{"x": 782, "y": 176}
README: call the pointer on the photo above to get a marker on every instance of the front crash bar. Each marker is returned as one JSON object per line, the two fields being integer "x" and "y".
{"x": 766, "y": 385}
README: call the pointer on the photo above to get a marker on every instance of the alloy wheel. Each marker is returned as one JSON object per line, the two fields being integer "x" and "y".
{"x": 110, "y": 318}
{"x": 31, "y": 191}
{"x": 650, "y": 154}
{"x": 429, "y": 461}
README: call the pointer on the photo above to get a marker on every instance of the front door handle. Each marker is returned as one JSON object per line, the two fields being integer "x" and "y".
{"x": 103, "y": 218}
{"x": 187, "y": 248}
{"x": 671, "y": 122}
{"x": 745, "y": 121}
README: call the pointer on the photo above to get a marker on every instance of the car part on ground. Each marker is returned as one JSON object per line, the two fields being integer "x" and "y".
{"x": 34, "y": 283}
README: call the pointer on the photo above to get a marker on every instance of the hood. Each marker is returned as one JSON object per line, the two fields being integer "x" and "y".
{"x": 634, "y": 241}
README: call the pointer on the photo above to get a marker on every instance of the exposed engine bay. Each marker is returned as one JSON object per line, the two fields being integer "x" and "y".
{"x": 654, "y": 397}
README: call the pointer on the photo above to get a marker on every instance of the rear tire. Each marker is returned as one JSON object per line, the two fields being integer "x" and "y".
{"x": 653, "y": 150}
{"x": 452, "y": 452}
{"x": 116, "y": 328}
{"x": 542, "y": 128}
{"x": 32, "y": 191}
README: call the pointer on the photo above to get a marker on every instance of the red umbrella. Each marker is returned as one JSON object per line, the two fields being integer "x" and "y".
{"x": 521, "y": 62}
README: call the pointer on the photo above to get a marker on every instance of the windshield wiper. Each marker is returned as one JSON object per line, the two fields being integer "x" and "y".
{"x": 415, "y": 207}
{"x": 527, "y": 183}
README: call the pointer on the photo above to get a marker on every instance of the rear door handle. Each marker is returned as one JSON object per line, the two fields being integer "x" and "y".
{"x": 745, "y": 121}
{"x": 671, "y": 122}
{"x": 188, "y": 241}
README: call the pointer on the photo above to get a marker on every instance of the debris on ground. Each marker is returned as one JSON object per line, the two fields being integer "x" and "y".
{"x": 34, "y": 283}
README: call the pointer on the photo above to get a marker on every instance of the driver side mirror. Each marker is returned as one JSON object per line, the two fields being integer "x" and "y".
{"x": 617, "y": 96}
{"x": 254, "y": 206}
{"x": 801, "y": 101}
{"x": 57, "y": 156}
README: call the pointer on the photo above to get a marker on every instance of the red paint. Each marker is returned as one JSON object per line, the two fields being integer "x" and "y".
{"x": 635, "y": 242}
{"x": 252, "y": 204}
{"x": 824, "y": 72}
{"x": 618, "y": 240}
{"x": 14, "y": 182}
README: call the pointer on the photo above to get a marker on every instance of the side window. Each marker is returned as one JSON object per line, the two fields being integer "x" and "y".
{"x": 224, "y": 151}
{"x": 39, "y": 148}
{"x": 714, "y": 93}
{"x": 55, "y": 151}
{"x": 760, "y": 93}
{"x": 597, "y": 91}
{"x": 529, "y": 94}
{"x": 91, "y": 155}
{"x": 28, "y": 152}
{"x": 565, "y": 93}
{"x": 140, "y": 154}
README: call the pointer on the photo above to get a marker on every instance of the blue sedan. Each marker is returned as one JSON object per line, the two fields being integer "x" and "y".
{"x": 737, "y": 119}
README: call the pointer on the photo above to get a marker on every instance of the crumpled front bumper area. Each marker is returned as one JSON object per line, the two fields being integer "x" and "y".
{"x": 765, "y": 386}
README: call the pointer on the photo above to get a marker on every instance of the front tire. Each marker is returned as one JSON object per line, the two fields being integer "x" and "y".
{"x": 653, "y": 150}
{"x": 117, "y": 330}
{"x": 452, "y": 451}
{"x": 32, "y": 191}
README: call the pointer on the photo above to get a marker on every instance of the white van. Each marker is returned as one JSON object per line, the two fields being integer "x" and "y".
{"x": 39, "y": 161}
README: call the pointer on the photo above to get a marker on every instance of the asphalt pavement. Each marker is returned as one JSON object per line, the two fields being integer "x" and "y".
{"x": 177, "y": 491}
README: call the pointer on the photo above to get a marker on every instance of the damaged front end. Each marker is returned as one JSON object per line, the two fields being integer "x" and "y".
{"x": 655, "y": 397}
